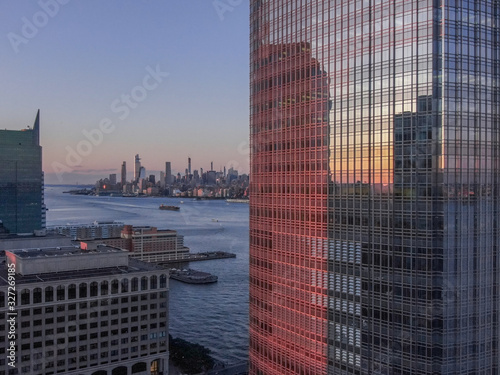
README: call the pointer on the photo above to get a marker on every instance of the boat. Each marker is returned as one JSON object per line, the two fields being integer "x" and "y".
{"x": 169, "y": 208}
{"x": 237, "y": 200}
{"x": 191, "y": 276}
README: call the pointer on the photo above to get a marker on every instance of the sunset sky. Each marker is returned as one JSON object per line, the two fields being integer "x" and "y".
{"x": 162, "y": 79}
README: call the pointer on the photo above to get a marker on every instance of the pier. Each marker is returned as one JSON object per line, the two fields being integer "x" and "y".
{"x": 195, "y": 257}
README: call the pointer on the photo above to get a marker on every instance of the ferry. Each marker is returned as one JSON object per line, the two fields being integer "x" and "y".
{"x": 169, "y": 208}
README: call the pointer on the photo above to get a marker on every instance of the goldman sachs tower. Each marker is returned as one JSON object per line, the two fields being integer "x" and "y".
{"x": 374, "y": 212}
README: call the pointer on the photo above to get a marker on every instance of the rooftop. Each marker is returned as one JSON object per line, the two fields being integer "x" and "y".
{"x": 134, "y": 267}
{"x": 62, "y": 251}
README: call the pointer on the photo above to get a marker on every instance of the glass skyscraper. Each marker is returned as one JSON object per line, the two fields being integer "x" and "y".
{"x": 374, "y": 212}
{"x": 22, "y": 209}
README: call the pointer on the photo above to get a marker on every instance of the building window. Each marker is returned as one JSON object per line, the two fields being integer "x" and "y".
{"x": 114, "y": 286}
{"x": 163, "y": 281}
{"x": 124, "y": 285}
{"x": 93, "y": 289}
{"x": 134, "y": 285}
{"x": 104, "y": 288}
{"x": 144, "y": 283}
{"x": 72, "y": 291}
{"x": 37, "y": 295}
{"x": 25, "y": 297}
{"x": 83, "y": 290}
{"x": 153, "y": 282}
{"x": 60, "y": 293}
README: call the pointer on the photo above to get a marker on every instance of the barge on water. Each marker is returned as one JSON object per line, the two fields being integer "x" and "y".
{"x": 191, "y": 276}
{"x": 169, "y": 208}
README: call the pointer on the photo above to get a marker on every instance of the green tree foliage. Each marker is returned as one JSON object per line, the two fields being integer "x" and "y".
{"x": 190, "y": 358}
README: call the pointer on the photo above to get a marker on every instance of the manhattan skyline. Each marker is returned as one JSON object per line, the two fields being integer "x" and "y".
{"x": 167, "y": 80}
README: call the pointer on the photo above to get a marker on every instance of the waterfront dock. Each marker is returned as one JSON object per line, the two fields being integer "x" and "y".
{"x": 195, "y": 257}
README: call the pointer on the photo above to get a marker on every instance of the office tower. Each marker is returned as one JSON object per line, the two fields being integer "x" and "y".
{"x": 124, "y": 174}
{"x": 21, "y": 180}
{"x": 112, "y": 179}
{"x": 142, "y": 173}
{"x": 168, "y": 173}
{"x": 374, "y": 212}
{"x": 86, "y": 311}
{"x": 162, "y": 179}
{"x": 137, "y": 168}
{"x": 189, "y": 166}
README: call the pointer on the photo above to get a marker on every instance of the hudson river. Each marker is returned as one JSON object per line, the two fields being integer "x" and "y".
{"x": 214, "y": 315}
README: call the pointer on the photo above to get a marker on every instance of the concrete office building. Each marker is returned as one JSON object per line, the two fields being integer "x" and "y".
{"x": 88, "y": 312}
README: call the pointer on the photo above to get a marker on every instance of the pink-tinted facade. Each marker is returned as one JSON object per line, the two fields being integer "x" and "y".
{"x": 288, "y": 208}
{"x": 375, "y": 180}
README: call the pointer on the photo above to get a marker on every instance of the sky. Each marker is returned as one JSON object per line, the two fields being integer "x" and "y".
{"x": 164, "y": 79}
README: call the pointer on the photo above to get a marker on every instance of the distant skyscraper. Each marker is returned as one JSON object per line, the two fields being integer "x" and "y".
{"x": 112, "y": 178}
{"x": 142, "y": 173}
{"x": 124, "y": 173}
{"x": 21, "y": 180}
{"x": 189, "y": 165}
{"x": 162, "y": 179}
{"x": 137, "y": 167}
{"x": 374, "y": 211}
{"x": 168, "y": 173}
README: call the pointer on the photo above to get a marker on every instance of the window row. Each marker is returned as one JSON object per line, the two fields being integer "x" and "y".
{"x": 84, "y": 290}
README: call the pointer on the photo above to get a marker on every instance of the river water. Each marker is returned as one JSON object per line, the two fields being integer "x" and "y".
{"x": 214, "y": 315}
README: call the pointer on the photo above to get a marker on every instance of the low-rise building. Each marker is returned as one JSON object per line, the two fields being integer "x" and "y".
{"x": 98, "y": 229}
{"x": 149, "y": 244}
